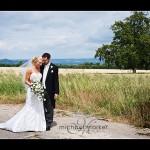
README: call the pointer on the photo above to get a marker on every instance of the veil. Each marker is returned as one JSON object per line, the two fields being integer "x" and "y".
{"x": 22, "y": 69}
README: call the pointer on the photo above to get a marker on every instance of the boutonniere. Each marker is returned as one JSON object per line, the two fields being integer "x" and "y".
{"x": 51, "y": 67}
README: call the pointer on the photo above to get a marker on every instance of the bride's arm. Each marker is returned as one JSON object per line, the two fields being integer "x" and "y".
{"x": 27, "y": 77}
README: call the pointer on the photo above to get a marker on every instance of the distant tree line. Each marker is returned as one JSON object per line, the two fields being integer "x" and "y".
{"x": 87, "y": 65}
{"x": 11, "y": 65}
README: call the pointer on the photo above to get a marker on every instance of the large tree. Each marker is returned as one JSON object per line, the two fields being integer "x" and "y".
{"x": 130, "y": 48}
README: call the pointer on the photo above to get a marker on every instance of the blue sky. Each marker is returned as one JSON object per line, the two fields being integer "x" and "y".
{"x": 64, "y": 34}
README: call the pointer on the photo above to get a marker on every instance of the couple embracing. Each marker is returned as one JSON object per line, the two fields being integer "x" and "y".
{"x": 37, "y": 115}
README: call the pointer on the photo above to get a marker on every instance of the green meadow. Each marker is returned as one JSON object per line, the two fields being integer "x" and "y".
{"x": 119, "y": 97}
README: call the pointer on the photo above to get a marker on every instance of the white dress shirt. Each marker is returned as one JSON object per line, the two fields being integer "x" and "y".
{"x": 45, "y": 71}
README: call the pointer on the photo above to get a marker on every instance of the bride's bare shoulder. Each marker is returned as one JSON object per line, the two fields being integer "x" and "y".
{"x": 29, "y": 70}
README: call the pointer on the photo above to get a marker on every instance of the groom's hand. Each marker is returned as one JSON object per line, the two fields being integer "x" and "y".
{"x": 55, "y": 96}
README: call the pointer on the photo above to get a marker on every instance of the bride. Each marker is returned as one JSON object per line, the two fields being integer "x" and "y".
{"x": 31, "y": 117}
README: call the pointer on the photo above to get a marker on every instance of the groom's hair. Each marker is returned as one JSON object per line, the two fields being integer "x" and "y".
{"x": 46, "y": 55}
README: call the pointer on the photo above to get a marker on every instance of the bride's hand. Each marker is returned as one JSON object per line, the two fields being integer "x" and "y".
{"x": 30, "y": 82}
{"x": 55, "y": 96}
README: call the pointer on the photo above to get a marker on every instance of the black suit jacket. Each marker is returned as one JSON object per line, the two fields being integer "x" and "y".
{"x": 51, "y": 82}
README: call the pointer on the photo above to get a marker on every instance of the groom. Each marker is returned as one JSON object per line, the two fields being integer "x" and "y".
{"x": 51, "y": 87}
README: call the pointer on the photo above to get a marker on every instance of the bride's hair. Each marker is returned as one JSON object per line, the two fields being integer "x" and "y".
{"x": 24, "y": 67}
{"x": 35, "y": 60}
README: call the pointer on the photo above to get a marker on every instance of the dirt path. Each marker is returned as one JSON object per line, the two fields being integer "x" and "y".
{"x": 68, "y": 125}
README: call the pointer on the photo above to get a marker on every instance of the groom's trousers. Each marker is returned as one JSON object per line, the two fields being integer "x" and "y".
{"x": 48, "y": 109}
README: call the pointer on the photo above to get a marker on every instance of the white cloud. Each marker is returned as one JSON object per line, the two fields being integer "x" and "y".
{"x": 4, "y": 45}
{"x": 65, "y": 34}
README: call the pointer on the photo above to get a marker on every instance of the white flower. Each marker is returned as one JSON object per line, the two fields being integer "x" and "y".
{"x": 51, "y": 67}
{"x": 38, "y": 89}
{"x": 52, "y": 71}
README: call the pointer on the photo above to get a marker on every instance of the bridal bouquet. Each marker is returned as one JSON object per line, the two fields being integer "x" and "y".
{"x": 38, "y": 88}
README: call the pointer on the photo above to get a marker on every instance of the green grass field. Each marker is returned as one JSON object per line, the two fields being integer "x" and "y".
{"x": 120, "y": 97}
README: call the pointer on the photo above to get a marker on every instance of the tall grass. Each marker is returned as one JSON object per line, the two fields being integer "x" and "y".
{"x": 121, "y": 97}
{"x": 11, "y": 88}
{"x": 124, "y": 97}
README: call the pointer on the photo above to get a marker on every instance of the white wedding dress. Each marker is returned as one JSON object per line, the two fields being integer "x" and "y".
{"x": 31, "y": 117}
